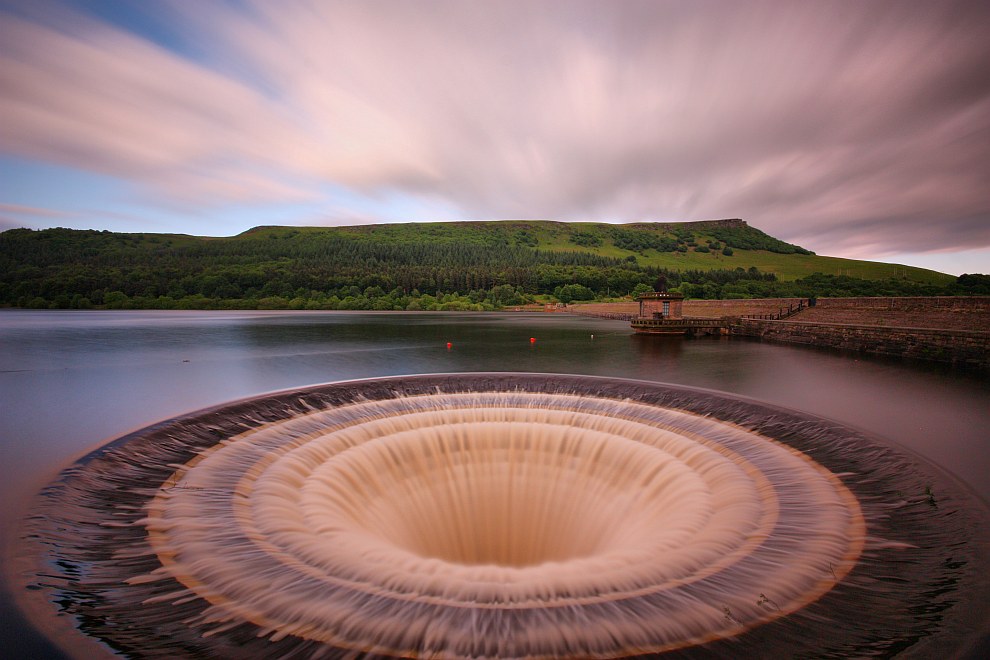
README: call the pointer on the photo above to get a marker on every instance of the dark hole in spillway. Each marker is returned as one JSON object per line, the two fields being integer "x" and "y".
{"x": 508, "y": 515}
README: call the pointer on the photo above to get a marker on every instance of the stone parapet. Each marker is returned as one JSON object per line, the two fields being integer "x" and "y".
{"x": 968, "y": 348}
{"x": 910, "y": 303}
{"x": 720, "y": 308}
{"x": 944, "y": 313}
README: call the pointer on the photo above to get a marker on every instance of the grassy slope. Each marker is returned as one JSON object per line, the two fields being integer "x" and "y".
{"x": 785, "y": 266}
{"x": 556, "y": 236}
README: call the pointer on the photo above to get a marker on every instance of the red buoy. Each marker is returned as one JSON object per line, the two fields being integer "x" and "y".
{"x": 450, "y": 345}
{"x": 532, "y": 340}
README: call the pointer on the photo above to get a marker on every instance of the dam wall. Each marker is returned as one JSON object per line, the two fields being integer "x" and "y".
{"x": 953, "y": 329}
{"x": 971, "y": 313}
{"x": 703, "y": 309}
{"x": 960, "y": 347}
{"x": 754, "y": 306}
{"x": 915, "y": 303}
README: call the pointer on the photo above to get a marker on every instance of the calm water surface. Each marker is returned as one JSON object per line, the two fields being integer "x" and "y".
{"x": 71, "y": 380}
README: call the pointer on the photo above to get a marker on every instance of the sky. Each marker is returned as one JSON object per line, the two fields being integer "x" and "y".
{"x": 854, "y": 129}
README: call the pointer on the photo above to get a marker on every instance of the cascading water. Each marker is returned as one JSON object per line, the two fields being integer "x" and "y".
{"x": 508, "y": 515}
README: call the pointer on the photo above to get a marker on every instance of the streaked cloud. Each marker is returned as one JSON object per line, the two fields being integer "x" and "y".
{"x": 860, "y": 129}
{"x": 32, "y": 211}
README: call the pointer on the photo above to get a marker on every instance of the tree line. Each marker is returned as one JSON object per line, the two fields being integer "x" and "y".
{"x": 62, "y": 268}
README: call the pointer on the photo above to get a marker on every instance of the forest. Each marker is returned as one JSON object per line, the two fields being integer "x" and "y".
{"x": 393, "y": 269}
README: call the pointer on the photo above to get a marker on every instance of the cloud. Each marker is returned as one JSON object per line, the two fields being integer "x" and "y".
{"x": 849, "y": 127}
{"x": 33, "y": 211}
{"x": 10, "y": 223}
{"x": 17, "y": 216}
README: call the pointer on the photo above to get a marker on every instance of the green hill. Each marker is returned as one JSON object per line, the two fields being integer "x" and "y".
{"x": 458, "y": 264}
{"x": 674, "y": 246}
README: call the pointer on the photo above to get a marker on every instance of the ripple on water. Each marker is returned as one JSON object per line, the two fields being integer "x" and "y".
{"x": 509, "y": 515}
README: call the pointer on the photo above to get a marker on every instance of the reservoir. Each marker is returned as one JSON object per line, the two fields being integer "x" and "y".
{"x": 70, "y": 381}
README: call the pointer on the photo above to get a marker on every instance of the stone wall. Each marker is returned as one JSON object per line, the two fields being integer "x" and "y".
{"x": 944, "y": 313}
{"x": 653, "y": 306}
{"x": 623, "y": 310}
{"x": 956, "y": 346}
{"x": 944, "y": 329}
{"x": 710, "y": 309}
{"x": 918, "y": 303}
{"x": 719, "y": 308}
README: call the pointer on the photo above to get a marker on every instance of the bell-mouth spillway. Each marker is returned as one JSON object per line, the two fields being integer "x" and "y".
{"x": 508, "y": 515}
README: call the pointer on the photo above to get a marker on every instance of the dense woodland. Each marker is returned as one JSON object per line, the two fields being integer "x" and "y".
{"x": 386, "y": 268}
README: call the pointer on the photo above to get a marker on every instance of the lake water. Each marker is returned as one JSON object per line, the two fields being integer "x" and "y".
{"x": 70, "y": 381}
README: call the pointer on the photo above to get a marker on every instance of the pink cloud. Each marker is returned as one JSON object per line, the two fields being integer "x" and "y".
{"x": 33, "y": 211}
{"x": 860, "y": 126}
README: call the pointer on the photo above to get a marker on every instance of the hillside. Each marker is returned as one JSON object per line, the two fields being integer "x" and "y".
{"x": 674, "y": 246}
{"x": 460, "y": 265}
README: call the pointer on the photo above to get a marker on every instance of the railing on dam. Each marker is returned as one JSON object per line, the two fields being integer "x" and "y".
{"x": 679, "y": 323}
{"x": 690, "y": 327}
{"x": 781, "y": 313}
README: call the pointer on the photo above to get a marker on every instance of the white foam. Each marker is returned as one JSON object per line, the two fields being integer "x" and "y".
{"x": 504, "y": 524}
